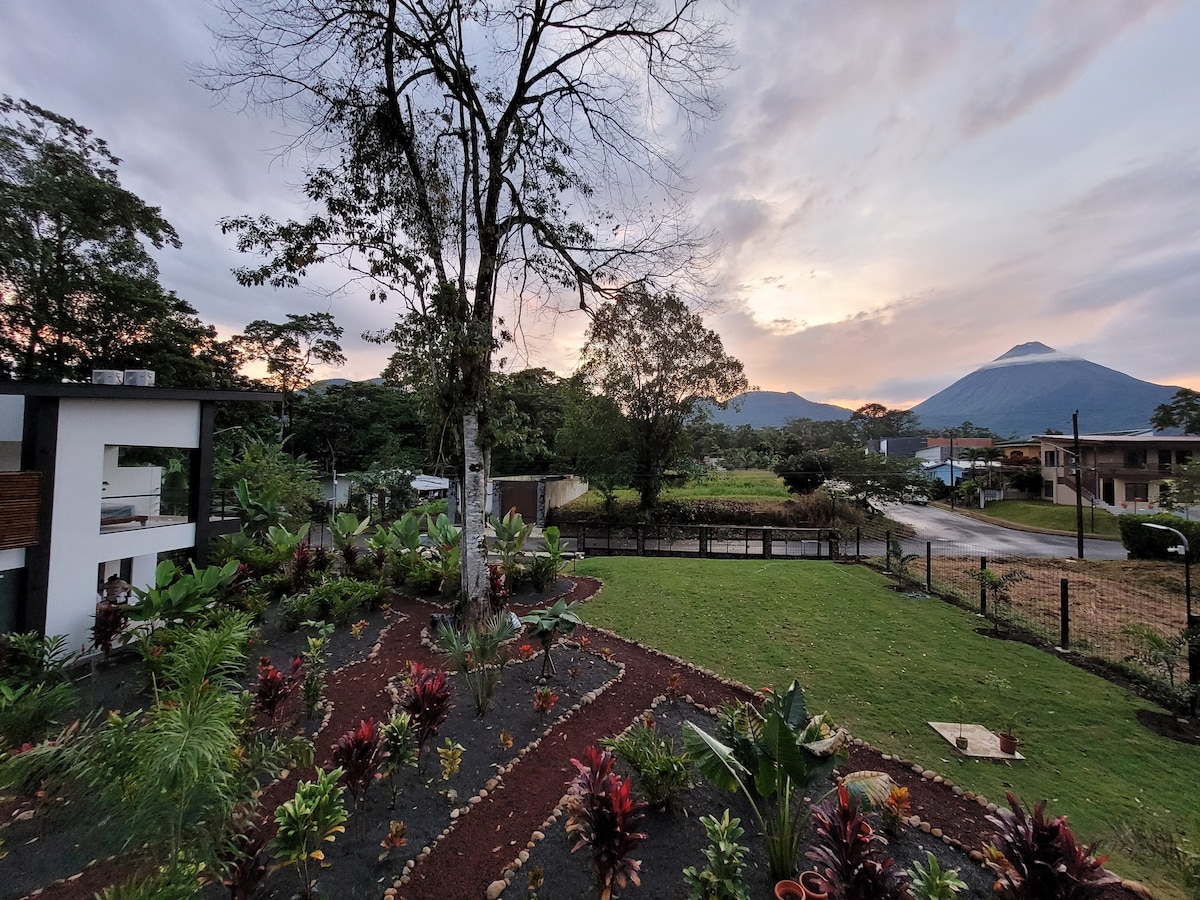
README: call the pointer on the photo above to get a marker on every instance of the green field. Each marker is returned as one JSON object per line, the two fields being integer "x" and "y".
{"x": 748, "y": 484}
{"x": 1042, "y": 514}
{"x": 884, "y": 664}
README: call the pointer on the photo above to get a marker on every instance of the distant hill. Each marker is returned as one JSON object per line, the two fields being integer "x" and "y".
{"x": 1032, "y": 388}
{"x": 762, "y": 408}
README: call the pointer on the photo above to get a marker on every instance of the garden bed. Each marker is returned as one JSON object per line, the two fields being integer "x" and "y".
{"x": 488, "y": 834}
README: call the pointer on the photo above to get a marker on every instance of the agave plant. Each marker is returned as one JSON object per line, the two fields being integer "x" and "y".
{"x": 772, "y": 756}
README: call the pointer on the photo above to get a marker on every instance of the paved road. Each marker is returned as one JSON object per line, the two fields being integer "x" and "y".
{"x": 933, "y": 524}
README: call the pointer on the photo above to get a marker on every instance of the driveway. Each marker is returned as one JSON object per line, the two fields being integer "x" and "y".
{"x": 934, "y": 524}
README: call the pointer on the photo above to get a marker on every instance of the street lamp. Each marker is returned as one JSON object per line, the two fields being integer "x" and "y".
{"x": 1186, "y": 551}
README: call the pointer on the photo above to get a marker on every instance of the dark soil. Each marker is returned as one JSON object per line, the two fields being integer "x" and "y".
{"x": 1169, "y": 726}
{"x": 55, "y": 843}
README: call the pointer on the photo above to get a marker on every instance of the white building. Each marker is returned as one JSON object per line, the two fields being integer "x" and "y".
{"x": 97, "y": 480}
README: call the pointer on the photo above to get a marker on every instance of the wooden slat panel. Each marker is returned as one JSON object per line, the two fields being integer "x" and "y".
{"x": 20, "y": 499}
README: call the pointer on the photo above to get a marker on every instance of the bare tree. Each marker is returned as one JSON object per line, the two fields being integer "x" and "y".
{"x": 476, "y": 149}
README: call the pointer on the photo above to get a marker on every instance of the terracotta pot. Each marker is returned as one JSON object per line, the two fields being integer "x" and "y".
{"x": 1008, "y": 743}
{"x": 789, "y": 890}
{"x": 815, "y": 887}
{"x": 961, "y": 742}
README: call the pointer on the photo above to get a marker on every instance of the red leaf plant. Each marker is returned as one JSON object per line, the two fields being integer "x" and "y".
{"x": 1040, "y": 858}
{"x": 275, "y": 686}
{"x": 357, "y": 754}
{"x": 850, "y": 855}
{"x": 544, "y": 699}
{"x": 604, "y": 816}
{"x": 428, "y": 704}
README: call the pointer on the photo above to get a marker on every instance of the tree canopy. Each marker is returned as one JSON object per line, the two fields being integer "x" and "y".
{"x": 78, "y": 289}
{"x": 1182, "y": 412}
{"x": 655, "y": 359}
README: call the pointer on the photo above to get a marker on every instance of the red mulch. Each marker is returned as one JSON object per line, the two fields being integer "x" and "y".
{"x": 474, "y": 853}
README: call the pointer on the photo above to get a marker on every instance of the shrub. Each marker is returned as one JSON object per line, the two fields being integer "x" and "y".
{"x": 275, "y": 686}
{"x": 398, "y": 741}
{"x": 295, "y": 611}
{"x": 1151, "y": 543}
{"x": 661, "y": 771}
{"x": 932, "y": 882}
{"x": 357, "y": 756}
{"x": 475, "y": 653}
{"x": 315, "y": 815}
{"x": 721, "y": 879}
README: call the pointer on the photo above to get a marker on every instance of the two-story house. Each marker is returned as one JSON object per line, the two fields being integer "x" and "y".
{"x": 1118, "y": 472}
{"x": 99, "y": 480}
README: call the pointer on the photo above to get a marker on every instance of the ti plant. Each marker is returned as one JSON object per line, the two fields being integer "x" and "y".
{"x": 932, "y": 882}
{"x": 398, "y": 741}
{"x": 604, "y": 817}
{"x": 275, "y": 686}
{"x": 428, "y": 704}
{"x": 850, "y": 855}
{"x": 357, "y": 755}
{"x": 772, "y": 756}
{"x": 547, "y": 624}
{"x": 721, "y": 879}
{"x": 314, "y": 816}
{"x": 1040, "y": 858}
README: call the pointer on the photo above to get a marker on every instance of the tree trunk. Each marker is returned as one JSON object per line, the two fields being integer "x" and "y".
{"x": 474, "y": 549}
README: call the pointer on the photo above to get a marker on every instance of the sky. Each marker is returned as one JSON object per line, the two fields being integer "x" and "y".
{"x": 902, "y": 190}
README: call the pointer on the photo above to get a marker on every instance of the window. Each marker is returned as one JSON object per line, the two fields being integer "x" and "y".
{"x": 1135, "y": 459}
{"x": 1136, "y": 490}
{"x": 145, "y": 487}
{"x": 1183, "y": 457}
{"x": 1051, "y": 459}
{"x": 1164, "y": 460}
{"x": 1048, "y": 490}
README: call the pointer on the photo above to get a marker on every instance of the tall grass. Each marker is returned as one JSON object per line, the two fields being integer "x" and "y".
{"x": 885, "y": 665}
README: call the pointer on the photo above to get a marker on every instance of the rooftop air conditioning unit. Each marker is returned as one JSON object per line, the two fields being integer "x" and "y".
{"x": 107, "y": 376}
{"x": 139, "y": 377}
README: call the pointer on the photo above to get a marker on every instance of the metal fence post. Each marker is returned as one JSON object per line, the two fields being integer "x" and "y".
{"x": 857, "y": 543}
{"x": 929, "y": 567}
{"x": 887, "y": 550}
{"x": 766, "y": 543}
{"x": 1064, "y": 599}
{"x": 982, "y": 587}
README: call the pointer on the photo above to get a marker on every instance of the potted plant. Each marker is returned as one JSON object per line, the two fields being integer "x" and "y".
{"x": 961, "y": 741}
{"x": 1008, "y": 740}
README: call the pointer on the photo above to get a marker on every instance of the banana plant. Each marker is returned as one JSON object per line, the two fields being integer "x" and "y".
{"x": 258, "y": 513}
{"x": 407, "y": 531}
{"x": 773, "y": 756}
{"x": 346, "y": 528}
{"x": 441, "y": 532}
{"x": 511, "y": 535}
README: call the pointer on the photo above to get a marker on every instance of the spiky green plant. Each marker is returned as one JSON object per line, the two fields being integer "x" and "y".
{"x": 476, "y": 653}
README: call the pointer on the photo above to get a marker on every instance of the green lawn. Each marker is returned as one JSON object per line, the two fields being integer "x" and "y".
{"x": 748, "y": 484}
{"x": 1043, "y": 514}
{"x": 884, "y": 665}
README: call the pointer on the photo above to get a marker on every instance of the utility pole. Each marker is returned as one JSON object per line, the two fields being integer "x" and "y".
{"x": 952, "y": 473}
{"x": 1078, "y": 487}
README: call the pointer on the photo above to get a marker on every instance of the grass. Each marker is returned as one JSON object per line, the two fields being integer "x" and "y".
{"x": 884, "y": 665}
{"x": 749, "y": 484}
{"x": 1042, "y": 514}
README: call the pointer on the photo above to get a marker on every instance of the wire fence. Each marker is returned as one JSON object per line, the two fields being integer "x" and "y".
{"x": 1129, "y": 614}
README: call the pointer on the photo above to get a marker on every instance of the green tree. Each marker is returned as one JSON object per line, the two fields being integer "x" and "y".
{"x": 351, "y": 427}
{"x": 654, "y": 358}
{"x": 1183, "y": 411}
{"x": 488, "y": 148}
{"x": 867, "y": 479}
{"x": 874, "y": 421}
{"x": 1183, "y": 487}
{"x": 77, "y": 288}
{"x": 290, "y": 349}
{"x": 803, "y": 473}
{"x": 597, "y": 444}
{"x": 528, "y": 410}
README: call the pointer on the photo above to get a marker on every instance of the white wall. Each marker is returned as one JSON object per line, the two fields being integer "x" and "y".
{"x": 12, "y": 417}
{"x": 12, "y": 559}
{"x": 85, "y": 427}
